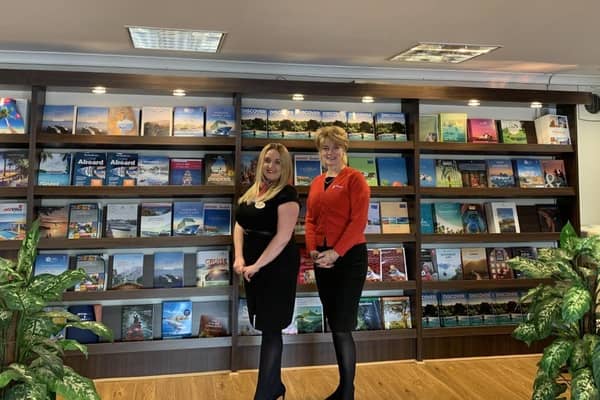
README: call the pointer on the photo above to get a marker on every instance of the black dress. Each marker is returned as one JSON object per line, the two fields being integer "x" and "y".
{"x": 271, "y": 292}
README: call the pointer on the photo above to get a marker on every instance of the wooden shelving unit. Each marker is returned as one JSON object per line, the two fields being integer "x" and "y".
{"x": 239, "y": 352}
{"x": 133, "y": 191}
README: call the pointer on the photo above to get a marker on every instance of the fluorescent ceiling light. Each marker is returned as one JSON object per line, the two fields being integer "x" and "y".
{"x": 367, "y": 99}
{"x": 474, "y": 102}
{"x": 99, "y": 90}
{"x": 298, "y": 97}
{"x": 179, "y": 92}
{"x": 175, "y": 39}
{"x": 443, "y": 52}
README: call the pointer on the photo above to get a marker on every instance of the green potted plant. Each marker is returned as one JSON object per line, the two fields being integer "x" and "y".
{"x": 564, "y": 310}
{"x": 31, "y": 365}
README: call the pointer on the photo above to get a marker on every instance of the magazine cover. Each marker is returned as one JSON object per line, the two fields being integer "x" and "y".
{"x": 219, "y": 169}
{"x": 176, "y": 319}
{"x": 168, "y": 269}
{"x": 92, "y": 121}
{"x": 12, "y": 117}
{"x": 122, "y": 169}
{"x": 212, "y": 268}
{"x": 127, "y": 271}
{"x": 14, "y": 168}
{"x": 53, "y": 222}
{"x": 369, "y": 314}
{"x": 155, "y": 219}
{"x": 186, "y": 171}
{"x": 54, "y": 169}
{"x": 13, "y": 221}
{"x": 53, "y": 264}
{"x": 188, "y": 121}
{"x": 217, "y": 219}
{"x": 84, "y": 221}
{"x": 396, "y": 312}
{"x": 58, "y": 119}
{"x": 153, "y": 170}
{"x": 123, "y": 121}
{"x": 95, "y": 269}
{"x": 254, "y": 122}
{"x": 121, "y": 220}
{"x": 136, "y": 322}
{"x": 188, "y": 218}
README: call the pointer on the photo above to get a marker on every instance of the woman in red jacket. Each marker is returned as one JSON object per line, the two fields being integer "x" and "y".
{"x": 336, "y": 216}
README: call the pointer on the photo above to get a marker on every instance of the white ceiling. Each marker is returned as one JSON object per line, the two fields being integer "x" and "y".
{"x": 538, "y": 37}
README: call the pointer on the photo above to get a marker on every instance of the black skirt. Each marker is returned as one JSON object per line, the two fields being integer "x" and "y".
{"x": 340, "y": 288}
{"x": 271, "y": 292}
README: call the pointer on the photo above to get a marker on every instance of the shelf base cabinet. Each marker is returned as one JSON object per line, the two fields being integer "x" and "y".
{"x": 146, "y": 363}
{"x": 297, "y": 355}
{"x": 477, "y": 346}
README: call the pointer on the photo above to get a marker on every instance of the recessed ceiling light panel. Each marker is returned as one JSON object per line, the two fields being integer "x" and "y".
{"x": 443, "y": 53}
{"x": 176, "y": 39}
{"x": 367, "y": 99}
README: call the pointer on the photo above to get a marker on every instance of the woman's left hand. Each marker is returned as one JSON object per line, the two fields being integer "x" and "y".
{"x": 249, "y": 271}
{"x": 327, "y": 258}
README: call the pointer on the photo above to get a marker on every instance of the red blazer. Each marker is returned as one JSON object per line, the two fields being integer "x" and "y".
{"x": 338, "y": 213}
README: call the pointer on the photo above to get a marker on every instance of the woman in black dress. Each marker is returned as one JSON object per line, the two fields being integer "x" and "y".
{"x": 268, "y": 258}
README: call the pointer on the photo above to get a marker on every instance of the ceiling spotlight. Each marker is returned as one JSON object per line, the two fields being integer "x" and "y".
{"x": 473, "y": 102}
{"x": 298, "y": 97}
{"x": 99, "y": 90}
{"x": 368, "y": 99}
{"x": 179, "y": 92}
{"x": 535, "y": 104}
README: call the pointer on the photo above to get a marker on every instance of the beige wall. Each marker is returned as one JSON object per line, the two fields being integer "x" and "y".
{"x": 589, "y": 166}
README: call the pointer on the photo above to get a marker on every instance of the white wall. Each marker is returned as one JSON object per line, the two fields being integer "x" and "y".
{"x": 588, "y": 130}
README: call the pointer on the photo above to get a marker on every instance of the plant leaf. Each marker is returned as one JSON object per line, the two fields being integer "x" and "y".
{"x": 534, "y": 269}
{"x": 96, "y": 327}
{"x": 596, "y": 364}
{"x": 7, "y": 376}
{"x": 580, "y": 356}
{"x": 546, "y": 388}
{"x": 33, "y": 391}
{"x": 526, "y": 332}
{"x": 576, "y": 303}
{"x": 28, "y": 250}
{"x": 76, "y": 387}
{"x": 70, "y": 344}
{"x": 555, "y": 356}
{"x": 567, "y": 237}
{"x": 582, "y": 386}
{"x": 51, "y": 287}
{"x": 545, "y": 315}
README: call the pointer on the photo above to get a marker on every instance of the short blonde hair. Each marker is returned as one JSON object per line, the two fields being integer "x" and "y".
{"x": 252, "y": 194}
{"x": 334, "y": 133}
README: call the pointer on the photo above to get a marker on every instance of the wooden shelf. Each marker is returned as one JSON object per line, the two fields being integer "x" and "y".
{"x": 10, "y": 244}
{"x": 150, "y": 293}
{"x": 130, "y": 243}
{"x": 136, "y": 142}
{"x": 325, "y": 337}
{"x": 405, "y": 285}
{"x": 155, "y": 345}
{"x": 12, "y": 192}
{"x": 493, "y": 148}
{"x": 376, "y": 238}
{"x": 493, "y": 237}
{"x": 133, "y": 191}
{"x": 309, "y": 145}
{"x": 468, "y": 331}
{"x": 497, "y": 192}
{"x": 376, "y": 191}
{"x": 14, "y": 140}
{"x": 486, "y": 284}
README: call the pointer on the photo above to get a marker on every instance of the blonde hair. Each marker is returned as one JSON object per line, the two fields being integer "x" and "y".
{"x": 337, "y": 135}
{"x": 253, "y": 193}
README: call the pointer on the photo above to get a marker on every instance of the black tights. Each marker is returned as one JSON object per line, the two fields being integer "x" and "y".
{"x": 345, "y": 353}
{"x": 269, "y": 369}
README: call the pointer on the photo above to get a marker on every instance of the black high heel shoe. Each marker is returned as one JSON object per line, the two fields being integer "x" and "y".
{"x": 281, "y": 393}
{"x": 335, "y": 395}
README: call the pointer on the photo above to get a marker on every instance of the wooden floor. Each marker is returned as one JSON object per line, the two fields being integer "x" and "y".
{"x": 502, "y": 378}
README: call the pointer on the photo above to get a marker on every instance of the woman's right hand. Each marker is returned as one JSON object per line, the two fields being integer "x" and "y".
{"x": 313, "y": 255}
{"x": 238, "y": 265}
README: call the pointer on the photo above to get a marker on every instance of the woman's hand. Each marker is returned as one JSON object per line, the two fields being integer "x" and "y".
{"x": 238, "y": 265}
{"x": 249, "y": 271}
{"x": 327, "y": 258}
